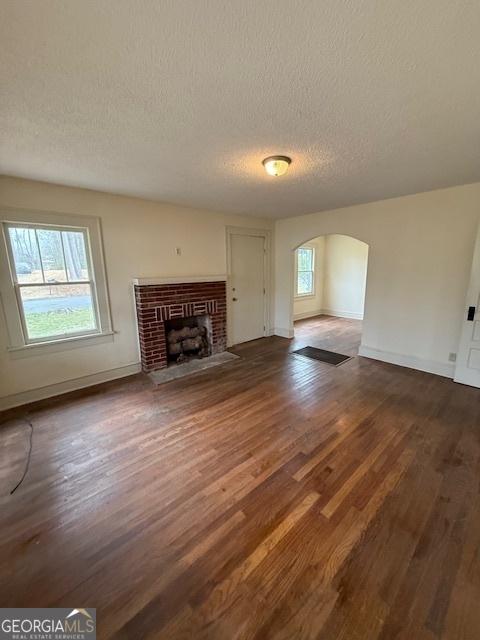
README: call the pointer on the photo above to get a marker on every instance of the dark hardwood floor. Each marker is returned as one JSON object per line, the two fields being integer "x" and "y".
{"x": 272, "y": 497}
{"x": 341, "y": 335}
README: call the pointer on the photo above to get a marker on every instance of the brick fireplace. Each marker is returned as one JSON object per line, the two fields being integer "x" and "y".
{"x": 159, "y": 301}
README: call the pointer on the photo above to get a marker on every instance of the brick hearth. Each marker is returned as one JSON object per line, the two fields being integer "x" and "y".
{"x": 157, "y": 303}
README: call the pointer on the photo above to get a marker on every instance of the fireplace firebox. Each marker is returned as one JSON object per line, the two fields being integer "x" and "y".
{"x": 188, "y": 338}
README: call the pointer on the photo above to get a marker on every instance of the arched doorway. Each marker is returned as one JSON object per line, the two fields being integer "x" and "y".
{"x": 329, "y": 286}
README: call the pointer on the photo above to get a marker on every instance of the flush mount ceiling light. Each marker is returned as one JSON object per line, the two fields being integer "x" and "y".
{"x": 277, "y": 165}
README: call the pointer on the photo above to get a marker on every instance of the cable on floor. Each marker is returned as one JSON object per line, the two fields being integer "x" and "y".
{"x": 29, "y": 455}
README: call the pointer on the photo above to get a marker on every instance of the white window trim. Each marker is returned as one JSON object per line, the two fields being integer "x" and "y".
{"x": 303, "y": 296}
{"x": 10, "y": 304}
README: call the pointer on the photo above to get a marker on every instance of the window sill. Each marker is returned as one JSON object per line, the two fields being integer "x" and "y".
{"x": 61, "y": 344}
{"x": 304, "y": 297}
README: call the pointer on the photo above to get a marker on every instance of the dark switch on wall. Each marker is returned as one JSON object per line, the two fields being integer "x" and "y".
{"x": 471, "y": 313}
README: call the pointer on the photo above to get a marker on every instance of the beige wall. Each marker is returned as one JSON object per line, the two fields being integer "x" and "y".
{"x": 139, "y": 240}
{"x": 420, "y": 253}
{"x": 340, "y": 278}
{"x": 345, "y": 276}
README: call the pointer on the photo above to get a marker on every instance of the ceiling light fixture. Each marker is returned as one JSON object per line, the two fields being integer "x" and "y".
{"x": 277, "y": 165}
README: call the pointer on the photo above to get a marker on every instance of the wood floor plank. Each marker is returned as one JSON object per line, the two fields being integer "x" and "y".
{"x": 273, "y": 497}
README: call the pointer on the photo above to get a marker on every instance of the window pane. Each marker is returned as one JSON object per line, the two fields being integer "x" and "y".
{"x": 305, "y": 259}
{"x": 75, "y": 255}
{"x": 54, "y": 310}
{"x": 25, "y": 254}
{"x": 51, "y": 253}
{"x": 305, "y": 282}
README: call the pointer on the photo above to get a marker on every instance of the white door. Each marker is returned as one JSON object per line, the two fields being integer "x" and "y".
{"x": 247, "y": 287}
{"x": 467, "y": 370}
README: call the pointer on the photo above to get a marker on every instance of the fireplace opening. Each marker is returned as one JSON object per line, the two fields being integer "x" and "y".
{"x": 188, "y": 338}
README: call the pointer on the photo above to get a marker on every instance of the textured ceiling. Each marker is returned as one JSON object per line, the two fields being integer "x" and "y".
{"x": 180, "y": 100}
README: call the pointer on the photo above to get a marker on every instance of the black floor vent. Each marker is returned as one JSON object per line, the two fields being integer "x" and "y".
{"x": 330, "y": 357}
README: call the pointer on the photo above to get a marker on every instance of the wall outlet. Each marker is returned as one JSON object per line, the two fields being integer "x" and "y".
{"x": 452, "y": 357}
{"x": 178, "y": 251}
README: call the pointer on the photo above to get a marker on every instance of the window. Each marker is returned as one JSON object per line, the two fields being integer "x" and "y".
{"x": 57, "y": 291}
{"x": 305, "y": 271}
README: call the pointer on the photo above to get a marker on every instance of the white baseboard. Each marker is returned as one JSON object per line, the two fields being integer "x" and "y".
{"x": 307, "y": 314}
{"x": 18, "y": 399}
{"x": 328, "y": 312}
{"x": 283, "y": 333}
{"x": 444, "y": 369}
{"x": 353, "y": 315}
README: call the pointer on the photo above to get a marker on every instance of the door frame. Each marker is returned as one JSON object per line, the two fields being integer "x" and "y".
{"x": 266, "y": 234}
{"x": 472, "y": 299}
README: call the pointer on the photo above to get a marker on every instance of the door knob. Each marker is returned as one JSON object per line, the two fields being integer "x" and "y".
{"x": 234, "y": 299}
